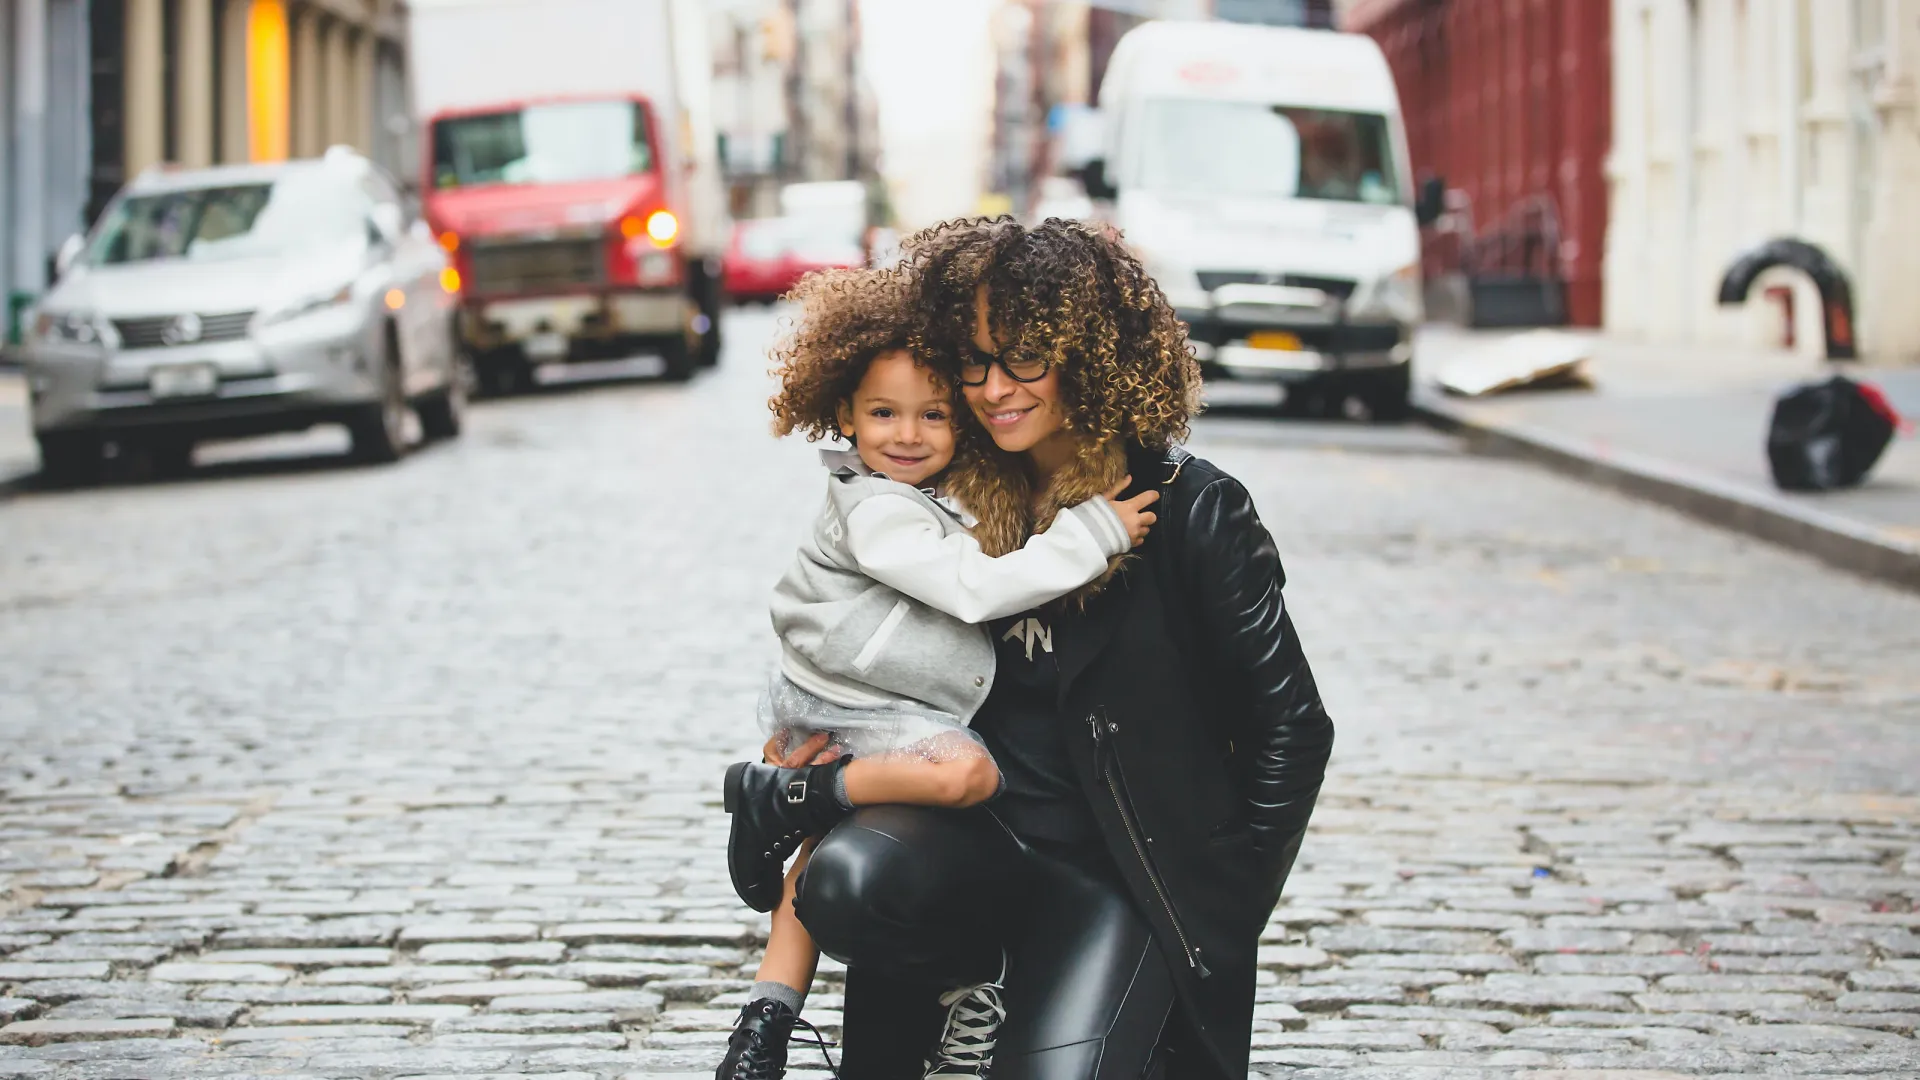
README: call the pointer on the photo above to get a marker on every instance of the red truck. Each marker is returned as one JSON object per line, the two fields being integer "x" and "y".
{"x": 565, "y": 172}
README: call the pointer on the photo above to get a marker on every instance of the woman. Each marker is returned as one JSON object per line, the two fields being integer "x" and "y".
{"x": 1159, "y": 731}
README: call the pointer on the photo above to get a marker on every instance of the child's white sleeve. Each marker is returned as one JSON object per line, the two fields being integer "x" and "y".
{"x": 899, "y": 543}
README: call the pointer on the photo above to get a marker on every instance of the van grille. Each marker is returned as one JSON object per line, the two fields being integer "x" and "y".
{"x": 1339, "y": 288}
{"x": 151, "y": 332}
{"x": 536, "y": 265}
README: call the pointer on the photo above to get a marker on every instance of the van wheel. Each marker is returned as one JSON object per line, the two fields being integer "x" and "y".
{"x": 70, "y": 460}
{"x": 170, "y": 458}
{"x": 380, "y": 430}
{"x": 1388, "y": 400}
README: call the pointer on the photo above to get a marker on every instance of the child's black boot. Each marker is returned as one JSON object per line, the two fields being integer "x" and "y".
{"x": 775, "y": 810}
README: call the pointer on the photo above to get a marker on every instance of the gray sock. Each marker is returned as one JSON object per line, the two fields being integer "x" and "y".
{"x": 840, "y": 790}
{"x": 780, "y": 992}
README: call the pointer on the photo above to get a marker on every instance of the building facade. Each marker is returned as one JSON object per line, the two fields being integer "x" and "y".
{"x": 1741, "y": 121}
{"x": 97, "y": 90}
{"x": 1508, "y": 105}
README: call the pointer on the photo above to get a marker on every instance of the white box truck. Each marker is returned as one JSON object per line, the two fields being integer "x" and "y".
{"x": 1261, "y": 173}
{"x": 569, "y": 166}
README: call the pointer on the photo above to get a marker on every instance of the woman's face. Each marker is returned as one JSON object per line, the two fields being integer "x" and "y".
{"x": 1018, "y": 415}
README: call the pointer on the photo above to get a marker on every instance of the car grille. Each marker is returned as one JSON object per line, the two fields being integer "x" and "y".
{"x": 1340, "y": 288}
{"x": 150, "y": 332}
{"x": 543, "y": 264}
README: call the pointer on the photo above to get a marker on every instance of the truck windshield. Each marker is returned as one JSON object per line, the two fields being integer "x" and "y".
{"x": 297, "y": 213}
{"x": 542, "y": 144}
{"x": 1210, "y": 147}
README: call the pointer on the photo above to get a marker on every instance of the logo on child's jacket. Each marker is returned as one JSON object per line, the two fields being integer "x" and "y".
{"x": 1028, "y": 631}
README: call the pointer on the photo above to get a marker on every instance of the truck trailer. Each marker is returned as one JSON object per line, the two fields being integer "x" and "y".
{"x": 569, "y": 168}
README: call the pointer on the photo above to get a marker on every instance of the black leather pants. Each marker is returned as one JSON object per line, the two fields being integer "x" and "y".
{"x": 917, "y": 900}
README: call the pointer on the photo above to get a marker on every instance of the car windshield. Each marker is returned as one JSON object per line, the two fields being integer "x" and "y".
{"x": 542, "y": 144}
{"x": 1207, "y": 147}
{"x": 299, "y": 212}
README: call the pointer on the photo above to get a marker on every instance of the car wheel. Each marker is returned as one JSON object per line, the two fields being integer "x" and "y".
{"x": 442, "y": 413}
{"x": 380, "y": 430}
{"x": 70, "y": 460}
{"x": 679, "y": 358}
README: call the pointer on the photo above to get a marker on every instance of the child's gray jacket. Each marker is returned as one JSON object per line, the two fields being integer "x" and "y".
{"x": 882, "y": 602}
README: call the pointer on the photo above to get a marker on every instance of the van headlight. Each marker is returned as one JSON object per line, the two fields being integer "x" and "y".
{"x": 1398, "y": 296}
{"x": 1177, "y": 281}
{"x": 81, "y": 328}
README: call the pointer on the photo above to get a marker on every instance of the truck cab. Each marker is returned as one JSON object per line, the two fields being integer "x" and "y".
{"x": 567, "y": 228}
{"x": 1261, "y": 173}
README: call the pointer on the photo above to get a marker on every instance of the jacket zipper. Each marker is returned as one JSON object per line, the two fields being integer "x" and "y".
{"x": 1107, "y": 757}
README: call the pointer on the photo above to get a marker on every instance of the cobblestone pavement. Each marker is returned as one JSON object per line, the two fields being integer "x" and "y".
{"x": 319, "y": 771}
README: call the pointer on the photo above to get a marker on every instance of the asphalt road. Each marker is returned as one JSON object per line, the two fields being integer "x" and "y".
{"x": 313, "y": 770}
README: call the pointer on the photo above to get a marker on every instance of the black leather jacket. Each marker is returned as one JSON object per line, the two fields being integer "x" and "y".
{"x": 1198, "y": 735}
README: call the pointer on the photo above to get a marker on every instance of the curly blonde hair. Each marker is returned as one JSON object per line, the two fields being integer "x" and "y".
{"x": 1071, "y": 293}
{"x": 846, "y": 319}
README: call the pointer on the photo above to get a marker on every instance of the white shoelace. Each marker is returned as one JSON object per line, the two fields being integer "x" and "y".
{"x": 974, "y": 1016}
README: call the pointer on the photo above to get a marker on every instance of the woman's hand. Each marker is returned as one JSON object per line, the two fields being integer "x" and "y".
{"x": 1133, "y": 512}
{"x": 812, "y": 752}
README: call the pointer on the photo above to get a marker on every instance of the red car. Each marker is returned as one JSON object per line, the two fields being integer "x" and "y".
{"x": 768, "y": 256}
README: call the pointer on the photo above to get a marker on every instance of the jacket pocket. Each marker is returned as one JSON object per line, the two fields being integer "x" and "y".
{"x": 878, "y": 642}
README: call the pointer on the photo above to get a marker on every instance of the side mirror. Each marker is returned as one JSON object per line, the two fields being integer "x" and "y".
{"x": 388, "y": 220}
{"x": 68, "y": 254}
{"x": 1431, "y": 201}
{"x": 1094, "y": 178}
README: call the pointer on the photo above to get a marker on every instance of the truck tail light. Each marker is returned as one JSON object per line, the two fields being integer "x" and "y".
{"x": 662, "y": 228}
{"x": 450, "y": 241}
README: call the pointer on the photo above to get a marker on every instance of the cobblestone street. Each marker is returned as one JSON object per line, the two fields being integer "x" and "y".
{"x": 320, "y": 771}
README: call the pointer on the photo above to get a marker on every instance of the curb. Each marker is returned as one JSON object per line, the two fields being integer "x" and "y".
{"x": 1834, "y": 540}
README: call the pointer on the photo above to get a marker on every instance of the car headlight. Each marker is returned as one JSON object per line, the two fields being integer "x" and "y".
{"x": 311, "y": 303}
{"x": 68, "y": 328}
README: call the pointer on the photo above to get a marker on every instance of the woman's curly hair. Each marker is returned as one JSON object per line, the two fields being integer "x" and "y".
{"x": 846, "y": 319}
{"x": 1074, "y": 294}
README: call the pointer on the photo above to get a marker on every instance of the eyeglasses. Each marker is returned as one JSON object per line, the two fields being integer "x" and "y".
{"x": 1025, "y": 369}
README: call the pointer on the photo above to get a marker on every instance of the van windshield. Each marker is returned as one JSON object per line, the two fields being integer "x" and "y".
{"x": 542, "y": 144}
{"x": 1211, "y": 147}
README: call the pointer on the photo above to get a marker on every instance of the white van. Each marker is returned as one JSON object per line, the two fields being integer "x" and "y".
{"x": 1261, "y": 172}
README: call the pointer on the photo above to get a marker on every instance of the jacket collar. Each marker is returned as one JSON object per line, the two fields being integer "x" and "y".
{"x": 846, "y": 463}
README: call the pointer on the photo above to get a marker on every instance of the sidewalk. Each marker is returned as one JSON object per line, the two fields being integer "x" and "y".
{"x": 1686, "y": 426}
{"x": 19, "y": 457}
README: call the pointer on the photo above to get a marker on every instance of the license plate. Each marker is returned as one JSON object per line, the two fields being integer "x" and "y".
{"x": 183, "y": 380}
{"x": 1279, "y": 340}
{"x": 546, "y": 346}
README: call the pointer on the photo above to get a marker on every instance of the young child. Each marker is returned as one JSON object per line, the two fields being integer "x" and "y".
{"x": 883, "y": 662}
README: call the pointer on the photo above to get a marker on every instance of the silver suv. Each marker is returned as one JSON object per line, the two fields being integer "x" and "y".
{"x": 243, "y": 300}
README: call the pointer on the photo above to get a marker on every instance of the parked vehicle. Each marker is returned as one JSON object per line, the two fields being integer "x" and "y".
{"x": 768, "y": 256}
{"x": 1262, "y": 174}
{"x": 569, "y": 166}
{"x": 243, "y": 300}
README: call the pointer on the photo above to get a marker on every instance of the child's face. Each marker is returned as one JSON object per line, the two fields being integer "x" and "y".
{"x": 900, "y": 419}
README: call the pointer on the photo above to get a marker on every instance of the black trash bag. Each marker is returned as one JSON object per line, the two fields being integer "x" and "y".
{"x": 1828, "y": 434}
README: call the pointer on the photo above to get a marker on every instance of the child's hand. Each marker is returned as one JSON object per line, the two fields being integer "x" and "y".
{"x": 1133, "y": 512}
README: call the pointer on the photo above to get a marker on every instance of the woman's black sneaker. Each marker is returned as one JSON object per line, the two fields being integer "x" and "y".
{"x": 774, "y": 811}
{"x": 757, "y": 1049}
